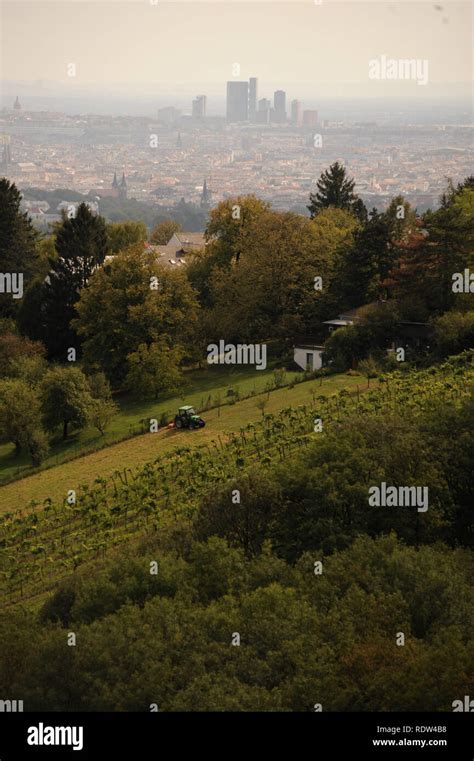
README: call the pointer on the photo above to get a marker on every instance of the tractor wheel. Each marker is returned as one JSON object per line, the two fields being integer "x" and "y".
{"x": 178, "y": 423}
{"x": 191, "y": 426}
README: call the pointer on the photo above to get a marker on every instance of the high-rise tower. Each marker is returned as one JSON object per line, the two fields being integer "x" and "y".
{"x": 199, "y": 107}
{"x": 279, "y": 102}
{"x": 253, "y": 87}
{"x": 296, "y": 113}
{"x": 237, "y": 101}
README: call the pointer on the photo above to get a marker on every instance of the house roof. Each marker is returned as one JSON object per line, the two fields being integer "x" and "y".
{"x": 339, "y": 323}
{"x": 169, "y": 255}
{"x": 302, "y": 345}
{"x": 191, "y": 239}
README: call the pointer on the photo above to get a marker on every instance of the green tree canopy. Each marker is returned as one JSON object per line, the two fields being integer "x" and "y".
{"x": 18, "y": 241}
{"x": 66, "y": 399}
{"x": 121, "y": 235}
{"x": 134, "y": 300}
{"x": 334, "y": 188}
{"x": 163, "y": 232}
{"x": 81, "y": 246}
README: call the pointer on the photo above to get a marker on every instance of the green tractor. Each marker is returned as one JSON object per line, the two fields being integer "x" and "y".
{"x": 187, "y": 418}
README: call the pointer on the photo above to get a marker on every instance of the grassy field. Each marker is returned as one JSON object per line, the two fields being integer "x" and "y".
{"x": 201, "y": 387}
{"x": 56, "y": 481}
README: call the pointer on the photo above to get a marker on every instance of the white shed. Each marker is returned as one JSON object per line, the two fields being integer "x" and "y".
{"x": 308, "y": 356}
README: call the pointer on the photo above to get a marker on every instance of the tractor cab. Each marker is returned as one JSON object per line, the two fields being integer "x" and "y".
{"x": 188, "y": 418}
{"x": 186, "y": 412}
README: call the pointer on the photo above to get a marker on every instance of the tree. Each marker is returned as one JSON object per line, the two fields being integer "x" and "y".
{"x": 453, "y": 332}
{"x": 229, "y": 224}
{"x": 134, "y": 300}
{"x": 401, "y": 220}
{"x": 373, "y": 333}
{"x": 16, "y": 349}
{"x": 274, "y": 290}
{"x": 18, "y": 241}
{"x": 20, "y": 418}
{"x": 154, "y": 369}
{"x": 369, "y": 368}
{"x": 121, "y": 235}
{"x": 363, "y": 266}
{"x": 66, "y": 399}
{"x": 451, "y": 191}
{"x": 422, "y": 279}
{"x": 103, "y": 408}
{"x": 100, "y": 414}
{"x": 81, "y": 245}
{"x": 164, "y": 231}
{"x": 336, "y": 189}
{"x": 243, "y": 523}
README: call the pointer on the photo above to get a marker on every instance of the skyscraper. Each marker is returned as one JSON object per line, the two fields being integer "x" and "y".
{"x": 310, "y": 118}
{"x": 296, "y": 113}
{"x": 279, "y": 102}
{"x": 237, "y": 101}
{"x": 253, "y": 84}
{"x": 199, "y": 107}
{"x": 264, "y": 109}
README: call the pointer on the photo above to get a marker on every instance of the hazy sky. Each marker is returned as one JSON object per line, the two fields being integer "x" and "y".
{"x": 135, "y": 46}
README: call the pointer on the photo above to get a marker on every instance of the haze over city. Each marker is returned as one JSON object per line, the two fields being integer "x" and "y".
{"x": 173, "y": 49}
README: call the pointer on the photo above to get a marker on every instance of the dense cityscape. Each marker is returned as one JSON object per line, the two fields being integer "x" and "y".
{"x": 275, "y": 148}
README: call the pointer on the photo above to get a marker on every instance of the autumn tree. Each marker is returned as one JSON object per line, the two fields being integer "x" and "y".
{"x": 164, "y": 231}
{"x": 134, "y": 300}
{"x": 422, "y": 278}
{"x": 229, "y": 225}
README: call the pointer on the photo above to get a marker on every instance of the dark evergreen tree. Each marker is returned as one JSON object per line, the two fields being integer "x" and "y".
{"x": 451, "y": 192}
{"x": 81, "y": 245}
{"x": 336, "y": 189}
{"x": 17, "y": 243}
{"x": 367, "y": 263}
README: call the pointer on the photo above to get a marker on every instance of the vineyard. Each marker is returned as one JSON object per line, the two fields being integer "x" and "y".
{"x": 51, "y": 540}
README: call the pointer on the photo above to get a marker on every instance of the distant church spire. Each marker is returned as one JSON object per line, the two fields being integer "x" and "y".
{"x": 205, "y": 196}
{"x": 179, "y": 142}
{"x": 115, "y": 183}
{"x": 17, "y": 104}
{"x": 123, "y": 187}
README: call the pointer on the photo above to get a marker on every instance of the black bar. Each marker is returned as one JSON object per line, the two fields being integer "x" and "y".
{"x": 143, "y": 736}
